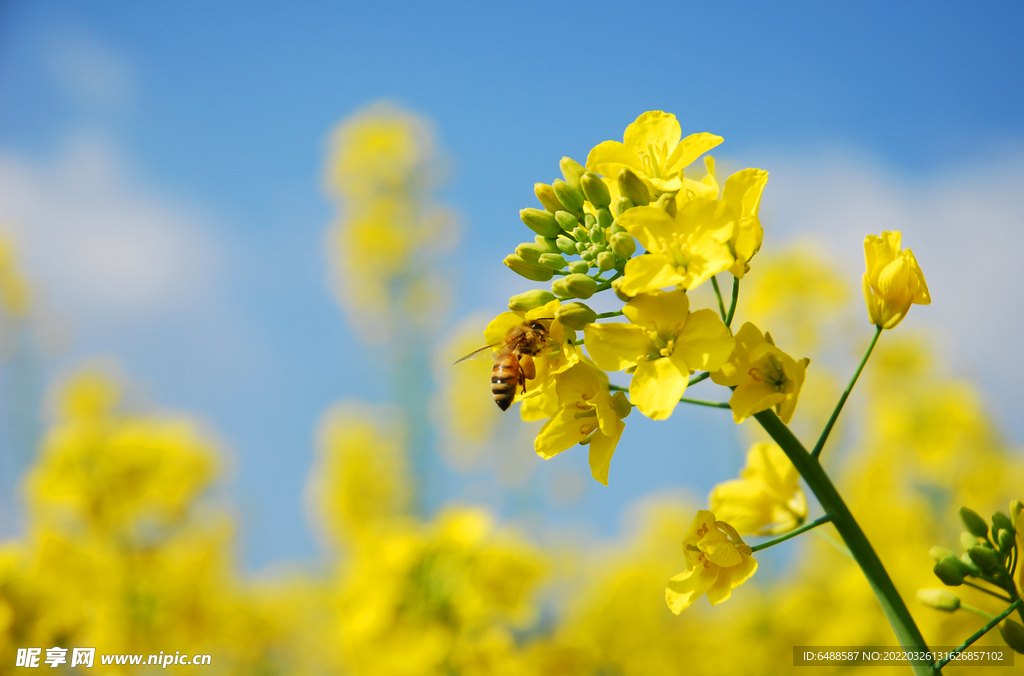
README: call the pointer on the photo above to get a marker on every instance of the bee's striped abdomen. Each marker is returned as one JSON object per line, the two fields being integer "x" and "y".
{"x": 504, "y": 379}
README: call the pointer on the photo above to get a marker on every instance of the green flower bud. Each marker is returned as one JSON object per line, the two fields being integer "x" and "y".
{"x": 632, "y": 188}
{"x": 553, "y": 261}
{"x": 546, "y": 196}
{"x": 623, "y": 245}
{"x": 974, "y": 524}
{"x": 616, "y": 229}
{"x": 589, "y": 255}
{"x": 939, "y": 553}
{"x": 667, "y": 203}
{"x": 532, "y": 271}
{"x": 582, "y": 246}
{"x": 597, "y": 236}
{"x": 575, "y": 315}
{"x": 986, "y": 559}
{"x": 566, "y": 245}
{"x": 531, "y": 251}
{"x": 1000, "y": 520}
{"x": 595, "y": 189}
{"x": 967, "y": 540}
{"x": 1005, "y": 540}
{"x": 621, "y": 405}
{"x": 541, "y": 222}
{"x": 566, "y": 221}
{"x": 589, "y": 221}
{"x": 571, "y": 197}
{"x": 580, "y": 234}
{"x": 948, "y": 570}
{"x": 529, "y": 300}
{"x": 940, "y": 599}
{"x": 580, "y": 286}
{"x": 621, "y": 205}
{"x": 1013, "y": 633}
{"x": 559, "y": 289}
{"x": 605, "y": 261}
{"x": 548, "y": 243}
{"x": 579, "y": 267}
{"x": 572, "y": 171}
{"x": 969, "y": 564}
{"x": 604, "y": 218}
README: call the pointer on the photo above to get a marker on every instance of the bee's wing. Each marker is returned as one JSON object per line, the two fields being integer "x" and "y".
{"x": 477, "y": 354}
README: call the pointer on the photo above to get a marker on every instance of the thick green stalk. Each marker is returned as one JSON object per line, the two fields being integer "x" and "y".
{"x": 818, "y": 481}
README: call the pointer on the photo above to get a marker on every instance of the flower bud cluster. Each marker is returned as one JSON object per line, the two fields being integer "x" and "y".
{"x": 577, "y": 237}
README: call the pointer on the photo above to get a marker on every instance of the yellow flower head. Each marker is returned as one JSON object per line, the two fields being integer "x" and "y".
{"x": 664, "y": 343}
{"x": 652, "y": 148}
{"x": 718, "y": 561}
{"x": 893, "y": 280}
{"x": 559, "y": 355}
{"x": 766, "y": 499}
{"x": 764, "y": 376}
{"x": 587, "y": 414}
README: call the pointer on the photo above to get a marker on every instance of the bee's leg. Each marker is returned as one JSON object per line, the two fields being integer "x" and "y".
{"x": 522, "y": 380}
{"x": 528, "y": 367}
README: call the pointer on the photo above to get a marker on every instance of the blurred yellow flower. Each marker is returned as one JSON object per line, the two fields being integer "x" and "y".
{"x": 766, "y": 499}
{"x": 652, "y": 148}
{"x": 763, "y": 376}
{"x": 586, "y": 414}
{"x": 893, "y": 280}
{"x": 662, "y": 345}
{"x": 718, "y": 562}
{"x": 15, "y": 293}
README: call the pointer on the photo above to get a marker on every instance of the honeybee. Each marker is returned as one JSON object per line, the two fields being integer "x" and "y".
{"x": 513, "y": 360}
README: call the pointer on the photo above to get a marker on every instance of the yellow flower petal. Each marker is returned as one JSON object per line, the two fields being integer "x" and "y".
{"x": 656, "y": 387}
{"x": 601, "y": 449}
{"x": 560, "y": 433}
{"x": 719, "y": 549}
{"x": 653, "y": 128}
{"x": 705, "y": 343}
{"x": 648, "y": 273}
{"x": 691, "y": 147}
{"x": 752, "y": 397}
{"x": 730, "y": 578}
{"x": 609, "y": 158}
{"x": 685, "y": 588}
{"x": 665, "y": 312}
{"x": 615, "y": 346}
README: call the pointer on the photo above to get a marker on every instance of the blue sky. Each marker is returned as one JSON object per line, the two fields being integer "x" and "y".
{"x": 194, "y": 135}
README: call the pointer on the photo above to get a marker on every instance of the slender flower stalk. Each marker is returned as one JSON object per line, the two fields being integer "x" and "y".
{"x": 846, "y": 395}
{"x": 793, "y": 533}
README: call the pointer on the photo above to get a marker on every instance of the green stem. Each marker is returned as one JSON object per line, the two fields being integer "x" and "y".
{"x": 606, "y": 283}
{"x": 701, "y": 402}
{"x": 987, "y": 591}
{"x": 735, "y": 297}
{"x": 978, "y": 634}
{"x": 718, "y": 294}
{"x": 976, "y": 611}
{"x": 792, "y": 534}
{"x": 842, "y": 400}
{"x": 606, "y": 315}
{"x": 697, "y": 378}
{"x": 846, "y": 525}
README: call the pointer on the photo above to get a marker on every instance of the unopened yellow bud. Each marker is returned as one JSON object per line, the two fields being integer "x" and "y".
{"x": 541, "y": 222}
{"x": 566, "y": 221}
{"x": 623, "y": 245}
{"x": 941, "y": 599}
{"x": 595, "y": 190}
{"x": 621, "y": 205}
{"x": 531, "y": 251}
{"x": 621, "y": 405}
{"x": 986, "y": 559}
{"x": 533, "y": 271}
{"x": 546, "y": 196}
{"x": 575, "y": 315}
{"x": 605, "y": 261}
{"x": 572, "y": 171}
{"x": 529, "y": 300}
{"x": 566, "y": 245}
{"x": 632, "y": 188}
{"x": 553, "y": 261}
{"x": 974, "y": 524}
{"x": 579, "y": 267}
{"x": 667, "y": 203}
{"x": 1013, "y": 633}
{"x": 580, "y": 286}
{"x": 604, "y": 218}
{"x": 580, "y": 233}
{"x": 969, "y": 564}
{"x": 571, "y": 197}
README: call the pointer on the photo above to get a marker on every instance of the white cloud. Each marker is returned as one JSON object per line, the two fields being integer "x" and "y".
{"x": 964, "y": 225}
{"x": 90, "y": 72}
{"x": 100, "y": 240}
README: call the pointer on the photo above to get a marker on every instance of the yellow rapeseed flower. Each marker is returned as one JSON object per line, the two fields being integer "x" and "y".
{"x": 763, "y": 376}
{"x": 652, "y": 148}
{"x": 718, "y": 560}
{"x": 662, "y": 345}
{"x": 766, "y": 499}
{"x": 893, "y": 280}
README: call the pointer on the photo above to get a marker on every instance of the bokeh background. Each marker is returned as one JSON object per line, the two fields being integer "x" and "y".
{"x": 164, "y": 184}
